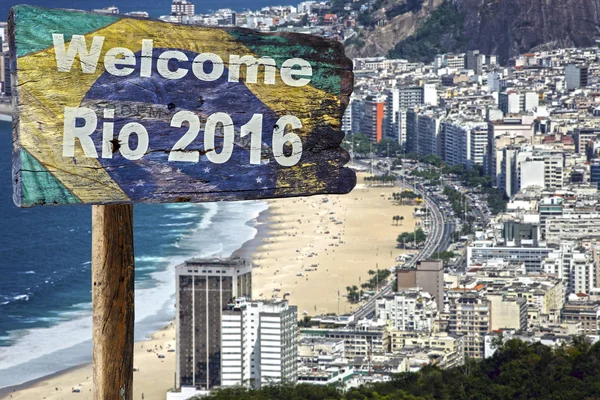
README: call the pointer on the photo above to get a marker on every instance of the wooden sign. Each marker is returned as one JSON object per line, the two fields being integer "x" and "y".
{"x": 113, "y": 110}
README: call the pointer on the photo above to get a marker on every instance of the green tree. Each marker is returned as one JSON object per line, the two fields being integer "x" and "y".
{"x": 386, "y": 144}
{"x": 361, "y": 143}
{"x": 441, "y": 32}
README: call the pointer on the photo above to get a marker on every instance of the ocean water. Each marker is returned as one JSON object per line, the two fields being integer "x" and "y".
{"x": 155, "y": 8}
{"x": 45, "y": 271}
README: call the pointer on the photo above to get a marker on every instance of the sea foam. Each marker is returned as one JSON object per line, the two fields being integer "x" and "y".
{"x": 37, "y": 352}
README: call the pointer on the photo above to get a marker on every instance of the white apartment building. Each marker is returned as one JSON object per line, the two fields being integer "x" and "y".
{"x": 305, "y": 6}
{"x": 259, "y": 343}
{"x": 502, "y": 133}
{"x": 529, "y": 170}
{"x": 408, "y": 310}
{"x": 572, "y": 227}
{"x": 525, "y": 166}
{"x": 532, "y": 257}
{"x": 182, "y": 7}
{"x": 430, "y": 96}
{"x": 478, "y": 138}
{"x": 347, "y": 119}
{"x": 470, "y": 317}
{"x": 429, "y": 140}
{"x": 465, "y": 141}
{"x": 576, "y": 269}
{"x": 512, "y": 102}
{"x": 401, "y": 126}
{"x": 585, "y": 273}
{"x": 456, "y": 142}
{"x": 449, "y": 60}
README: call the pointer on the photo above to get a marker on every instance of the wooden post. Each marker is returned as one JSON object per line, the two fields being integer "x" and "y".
{"x": 112, "y": 301}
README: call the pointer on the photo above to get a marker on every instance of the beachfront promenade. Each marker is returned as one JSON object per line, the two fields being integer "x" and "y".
{"x": 437, "y": 240}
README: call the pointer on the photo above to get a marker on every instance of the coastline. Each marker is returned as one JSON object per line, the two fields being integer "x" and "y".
{"x": 344, "y": 236}
{"x": 151, "y": 369}
{"x": 263, "y": 228}
{"x": 6, "y": 391}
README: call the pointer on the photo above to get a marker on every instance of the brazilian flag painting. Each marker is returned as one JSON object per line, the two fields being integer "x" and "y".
{"x": 111, "y": 109}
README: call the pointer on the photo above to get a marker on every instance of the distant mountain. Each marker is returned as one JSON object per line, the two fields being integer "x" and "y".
{"x": 502, "y": 27}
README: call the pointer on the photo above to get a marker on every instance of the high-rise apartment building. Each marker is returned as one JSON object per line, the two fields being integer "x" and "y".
{"x": 410, "y": 96}
{"x": 595, "y": 172}
{"x": 585, "y": 312}
{"x": 347, "y": 119}
{"x": 392, "y": 106}
{"x": 531, "y": 166}
{"x": 496, "y": 82}
{"x": 430, "y": 277}
{"x": 502, "y": 133}
{"x": 449, "y": 60}
{"x": 465, "y": 141}
{"x": 576, "y": 76}
{"x": 259, "y": 343}
{"x": 204, "y": 290}
{"x": 7, "y": 78}
{"x": 430, "y": 95}
{"x": 512, "y": 102}
{"x": 470, "y": 316}
{"x": 478, "y": 140}
{"x": 412, "y": 117}
{"x": 582, "y": 136}
{"x": 475, "y": 61}
{"x": 508, "y": 311}
{"x": 407, "y": 310}
{"x": 429, "y": 138}
{"x": 357, "y": 106}
{"x": 182, "y": 7}
{"x": 374, "y": 114}
{"x": 427, "y": 275}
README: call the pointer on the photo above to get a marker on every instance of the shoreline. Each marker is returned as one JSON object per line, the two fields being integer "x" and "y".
{"x": 263, "y": 229}
{"x": 6, "y": 391}
{"x": 245, "y": 250}
{"x": 298, "y": 241}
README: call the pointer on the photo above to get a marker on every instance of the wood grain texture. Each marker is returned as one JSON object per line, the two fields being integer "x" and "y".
{"x": 43, "y": 176}
{"x": 112, "y": 301}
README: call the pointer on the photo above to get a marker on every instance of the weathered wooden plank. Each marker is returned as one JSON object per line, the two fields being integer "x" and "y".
{"x": 109, "y": 125}
{"x": 112, "y": 301}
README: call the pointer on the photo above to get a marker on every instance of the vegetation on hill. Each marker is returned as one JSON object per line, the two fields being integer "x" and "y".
{"x": 400, "y": 8}
{"x": 441, "y": 32}
{"x": 517, "y": 371}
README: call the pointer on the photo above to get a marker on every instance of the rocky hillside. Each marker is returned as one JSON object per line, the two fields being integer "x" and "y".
{"x": 502, "y": 27}
{"x": 510, "y": 27}
{"x": 380, "y": 40}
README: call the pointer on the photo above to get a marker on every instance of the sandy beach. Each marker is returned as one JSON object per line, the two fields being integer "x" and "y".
{"x": 332, "y": 241}
{"x": 337, "y": 238}
{"x": 153, "y": 377}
